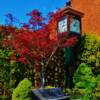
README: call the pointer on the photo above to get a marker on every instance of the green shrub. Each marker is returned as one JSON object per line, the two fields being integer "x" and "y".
{"x": 22, "y": 91}
{"x": 84, "y": 81}
{"x": 78, "y": 94}
{"x": 89, "y": 52}
{"x": 84, "y": 78}
{"x": 96, "y": 91}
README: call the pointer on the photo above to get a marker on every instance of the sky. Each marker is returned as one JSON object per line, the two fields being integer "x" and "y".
{"x": 19, "y": 8}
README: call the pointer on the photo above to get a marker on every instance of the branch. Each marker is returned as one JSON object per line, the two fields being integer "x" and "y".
{"x": 54, "y": 51}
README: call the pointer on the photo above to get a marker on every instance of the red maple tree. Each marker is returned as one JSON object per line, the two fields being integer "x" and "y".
{"x": 36, "y": 41}
{"x": 34, "y": 44}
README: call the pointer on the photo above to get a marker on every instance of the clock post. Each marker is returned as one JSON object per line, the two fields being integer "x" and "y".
{"x": 70, "y": 23}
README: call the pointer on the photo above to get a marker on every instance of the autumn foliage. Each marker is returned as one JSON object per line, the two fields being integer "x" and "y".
{"x": 36, "y": 41}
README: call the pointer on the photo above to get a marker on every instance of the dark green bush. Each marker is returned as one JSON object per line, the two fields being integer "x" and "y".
{"x": 11, "y": 72}
{"x": 5, "y": 70}
{"x": 23, "y": 90}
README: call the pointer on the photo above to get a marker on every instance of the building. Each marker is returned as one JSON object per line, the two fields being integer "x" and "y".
{"x": 91, "y": 19}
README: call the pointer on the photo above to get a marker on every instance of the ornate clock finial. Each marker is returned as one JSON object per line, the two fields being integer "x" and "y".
{"x": 68, "y": 3}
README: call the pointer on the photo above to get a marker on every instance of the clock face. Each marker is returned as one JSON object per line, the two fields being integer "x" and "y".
{"x": 62, "y": 25}
{"x": 75, "y": 26}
